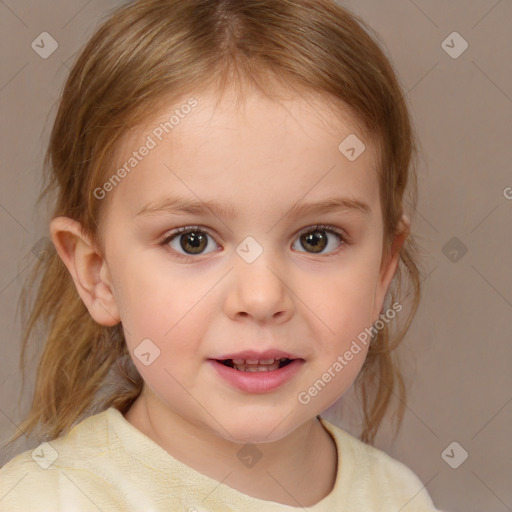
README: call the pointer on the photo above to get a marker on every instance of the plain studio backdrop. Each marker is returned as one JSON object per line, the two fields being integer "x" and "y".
{"x": 453, "y": 62}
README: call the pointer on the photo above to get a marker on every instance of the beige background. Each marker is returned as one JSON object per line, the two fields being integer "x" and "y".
{"x": 458, "y": 351}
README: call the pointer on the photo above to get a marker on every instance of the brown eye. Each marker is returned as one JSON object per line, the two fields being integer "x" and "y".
{"x": 317, "y": 241}
{"x": 318, "y": 238}
{"x": 192, "y": 241}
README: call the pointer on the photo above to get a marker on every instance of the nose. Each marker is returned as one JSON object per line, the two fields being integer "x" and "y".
{"x": 260, "y": 290}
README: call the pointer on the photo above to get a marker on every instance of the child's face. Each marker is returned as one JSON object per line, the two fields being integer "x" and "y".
{"x": 217, "y": 301}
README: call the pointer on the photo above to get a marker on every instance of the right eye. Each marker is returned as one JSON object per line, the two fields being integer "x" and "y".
{"x": 192, "y": 240}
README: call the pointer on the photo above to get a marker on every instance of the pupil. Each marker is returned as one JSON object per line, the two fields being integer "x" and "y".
{"x": 197, "y": 241}
{"x": 317, "y": 239}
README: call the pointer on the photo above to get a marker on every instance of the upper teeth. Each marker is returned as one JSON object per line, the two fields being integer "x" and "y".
{"x": 255, "y": 361}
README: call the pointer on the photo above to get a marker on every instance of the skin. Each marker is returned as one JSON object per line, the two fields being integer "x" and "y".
{"x": 262, "y": 161}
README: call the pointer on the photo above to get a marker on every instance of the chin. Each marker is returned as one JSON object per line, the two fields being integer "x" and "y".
{"x": 256, "y": 430}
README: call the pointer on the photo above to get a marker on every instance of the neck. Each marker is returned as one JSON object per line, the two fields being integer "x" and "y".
{"x": 283, "y": 473}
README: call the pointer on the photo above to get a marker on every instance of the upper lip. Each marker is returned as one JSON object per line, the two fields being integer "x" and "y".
{"x": 260, "y": 356}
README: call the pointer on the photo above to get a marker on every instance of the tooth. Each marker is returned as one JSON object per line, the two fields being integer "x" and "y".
{"x": 267, "y": 361}
{"x": 238, "y": 361}
{"x": 251, "y": 361}
{"x": 256, "y": 368}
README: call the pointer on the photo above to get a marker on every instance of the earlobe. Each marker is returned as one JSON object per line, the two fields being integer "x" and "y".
{"x": 88, "y": 269}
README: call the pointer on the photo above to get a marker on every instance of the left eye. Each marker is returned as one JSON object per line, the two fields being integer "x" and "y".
{"x": 317, "y": 239}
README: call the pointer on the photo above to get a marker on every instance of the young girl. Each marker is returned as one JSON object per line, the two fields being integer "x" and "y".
{"x": 228, "y": 242}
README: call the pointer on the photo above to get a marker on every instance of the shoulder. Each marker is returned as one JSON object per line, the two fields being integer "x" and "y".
{"x": 372, "y": 474}
{"x": 24, "y": 485}
{"x": 59, "y": 472}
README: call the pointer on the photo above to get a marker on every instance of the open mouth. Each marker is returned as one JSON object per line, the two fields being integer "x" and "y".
{"x": 256, "y": 366}
{"x": 257, "y": 375}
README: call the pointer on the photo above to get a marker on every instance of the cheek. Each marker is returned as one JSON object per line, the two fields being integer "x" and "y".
{"x": 341, "y": 324}
{"x": 168, "y": 309}
{"x": 345, "y": 300}
{"x": 163, "y": 319}
{"x": 152, "y": 298}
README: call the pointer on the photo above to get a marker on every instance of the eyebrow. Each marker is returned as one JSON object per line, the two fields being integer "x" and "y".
{"x": 182, "y": 205}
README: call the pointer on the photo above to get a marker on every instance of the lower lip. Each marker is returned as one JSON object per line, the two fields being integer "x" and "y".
{"x": 258, "y": 382}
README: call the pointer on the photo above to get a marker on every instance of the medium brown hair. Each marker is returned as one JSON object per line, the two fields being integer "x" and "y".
{"x": 146, "y": 55}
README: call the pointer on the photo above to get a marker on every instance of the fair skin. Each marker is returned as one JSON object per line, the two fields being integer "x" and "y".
{"x": 262, "y": 162}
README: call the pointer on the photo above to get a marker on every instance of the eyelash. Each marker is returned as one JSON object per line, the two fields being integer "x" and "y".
{"x": 310, "y": 229}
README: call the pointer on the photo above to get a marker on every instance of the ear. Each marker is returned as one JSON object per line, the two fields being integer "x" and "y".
{"x": 88, "y": 269}
{"x": 389, "y": 265}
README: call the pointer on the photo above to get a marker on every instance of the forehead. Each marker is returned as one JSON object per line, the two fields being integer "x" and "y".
{"x": 239, "y": 151}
